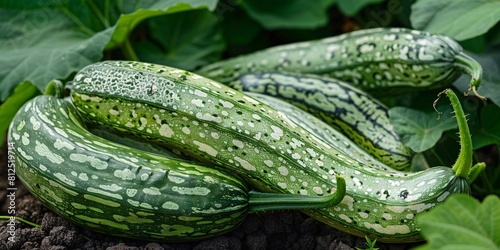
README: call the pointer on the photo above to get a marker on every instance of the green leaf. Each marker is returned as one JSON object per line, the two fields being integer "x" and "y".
{"x": 419, "y": 163}
{"x": 488, "y": 130}
{"x": 183, "y": 40}
{"x": 462, "y": 222}
{"x": 236, "y": 21}
{"x": 491, "y": 87}
{"x": 40, "y": 44}
{"x": 242, "y": 34}
{"x": 148, "y": 9}
{"x": 461, "y": 20}
{"x": 475, "y": 45}
{"x": 351, "y": 8}
{"x": 22, "y": 93}
{"x": 493, "y": 35}
{"x": 297, "y": 14}
{"x": 46, "y": 40}
{"x": 419, "y": 130}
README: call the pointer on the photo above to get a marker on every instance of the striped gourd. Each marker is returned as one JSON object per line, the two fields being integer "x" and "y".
{"x": 353, "y": 112}
{"x": 118, "y": 190}
{"x": 321, "y": 130}
{"x": 381, "y": 60}
{"x": 213, "y": 122}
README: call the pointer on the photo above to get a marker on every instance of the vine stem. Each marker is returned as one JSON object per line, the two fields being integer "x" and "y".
{"x": 6, "y": 217}
{"x": 474, "y": 69}
{"x": 464, "y": 161}
{"x": 260, "y": 202}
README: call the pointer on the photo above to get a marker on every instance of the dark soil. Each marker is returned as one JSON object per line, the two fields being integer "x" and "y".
{"x": 277, "y": 230}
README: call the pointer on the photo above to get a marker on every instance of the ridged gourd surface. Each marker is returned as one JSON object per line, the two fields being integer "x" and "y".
{"x": 115, "y": 189}
{"x": 216, "y": 123}
{"x": 381, "y": 60}
{"x": 321, "y": 130}
{"x": 350, "y": 110}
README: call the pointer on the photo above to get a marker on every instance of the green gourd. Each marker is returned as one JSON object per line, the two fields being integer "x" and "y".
{"x": 382, "y": 61}
{"x": 214, "y": 123}
{"x": 118, "y": 190}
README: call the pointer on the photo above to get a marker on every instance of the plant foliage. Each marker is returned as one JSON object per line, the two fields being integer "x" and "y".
{"x": 462, "y": 222}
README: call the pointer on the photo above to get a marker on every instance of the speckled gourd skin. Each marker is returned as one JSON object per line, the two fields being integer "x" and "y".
{"x": 321, "y": 130}
{"x": 381, "y": 60}
{"x": 115, "y": 189}
{"x": 135, "y": 142}
{"x": 213, "y": 122}
{"x": 353, "y": 112}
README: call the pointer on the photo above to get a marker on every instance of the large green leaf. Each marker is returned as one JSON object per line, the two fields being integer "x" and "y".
{"x": 488, "y": 130}
{"x": 462, "y": 222}
{"x": 351, "y": 8}
{"x": 491, "y": 78}
{"x": 40, "y": 44}
{"x": 460, "y": 19}
{"x": 297, "y": 14}
{"x": 22, "y": 93}
{"x": 490, "y": 85}
{"x": 46, "y": 40}
{"x": 183, "y": 40}
{"x": 420, "y": 130}
{"x": 135, "y": 13}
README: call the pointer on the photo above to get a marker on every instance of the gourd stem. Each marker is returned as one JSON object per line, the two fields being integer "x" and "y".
{"x": 470, "y": 66}
{"x": 260, "y": 202}
{"x": 464, "y": 161}
{"x": 55, "y": 88}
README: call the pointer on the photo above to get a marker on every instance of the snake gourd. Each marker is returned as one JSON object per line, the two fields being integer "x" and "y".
{"x": 382, "y": 61}
{"x": 118, "y": 190}
{"x": 215, "y": 123}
